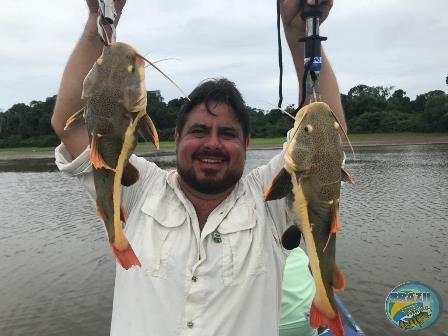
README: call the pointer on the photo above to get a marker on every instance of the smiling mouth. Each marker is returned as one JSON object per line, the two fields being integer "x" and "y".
{"x": 208, "y": 160}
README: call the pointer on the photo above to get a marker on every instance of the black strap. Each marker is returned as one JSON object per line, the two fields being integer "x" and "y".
{"x": 280, "y": 60}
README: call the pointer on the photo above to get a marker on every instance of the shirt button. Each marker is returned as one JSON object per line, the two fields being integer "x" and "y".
{"x": 190, "y": 324}
{"x": 194, "y": 278}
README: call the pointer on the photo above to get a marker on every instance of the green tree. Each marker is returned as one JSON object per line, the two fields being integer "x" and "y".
{"x": 435, "y": 115}
{"x": 399, "y": 101}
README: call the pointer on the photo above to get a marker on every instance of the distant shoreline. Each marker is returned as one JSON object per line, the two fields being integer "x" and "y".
{"x": 23, "y": 154}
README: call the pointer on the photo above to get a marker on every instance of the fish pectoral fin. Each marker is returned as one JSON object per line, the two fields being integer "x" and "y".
{"x": 130, "y": 175}
{"x": 291, "y": 237}
{"x": 338, "y": 281}
{"x": 346, "y": 177}
{"x": 147, "y": 130}
{"x": 75, "y": 120}
{"x": 318, "y": 319}
{"x": 280, "y": 186}
{"x": 334, "y": 221}
{"x": 95, "y": 156}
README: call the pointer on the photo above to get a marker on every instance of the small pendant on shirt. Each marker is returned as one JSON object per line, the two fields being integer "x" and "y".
{"x": 216, "y": 237}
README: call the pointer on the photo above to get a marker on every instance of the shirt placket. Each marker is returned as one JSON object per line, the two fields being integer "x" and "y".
{"x": 196, "y": 288}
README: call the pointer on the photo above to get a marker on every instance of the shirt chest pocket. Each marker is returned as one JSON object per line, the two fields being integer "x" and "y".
{"x": 242, "y": 239}
{"x": 162, "y": 219}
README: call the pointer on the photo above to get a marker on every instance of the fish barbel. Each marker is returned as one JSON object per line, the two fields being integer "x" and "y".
{"x": 115, "y": 109}
{"x": 311, "y": 180}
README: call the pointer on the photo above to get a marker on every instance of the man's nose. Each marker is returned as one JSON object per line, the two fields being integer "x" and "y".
{"x": 213, "y": 140}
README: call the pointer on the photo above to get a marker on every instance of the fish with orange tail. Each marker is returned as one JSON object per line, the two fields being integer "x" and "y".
{"x": 115, "y": 110}
{"x": 311, "y": 181}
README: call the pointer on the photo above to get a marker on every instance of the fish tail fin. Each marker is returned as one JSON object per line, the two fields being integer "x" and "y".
{"x": 318, "y": 319}
{"x": 126, "y": 257}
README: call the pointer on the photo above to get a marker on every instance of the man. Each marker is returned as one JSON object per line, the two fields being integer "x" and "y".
{"x": 209, "y": 245}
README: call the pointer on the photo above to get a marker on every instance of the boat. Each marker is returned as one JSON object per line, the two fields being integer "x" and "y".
{"x": 351, "y": 327}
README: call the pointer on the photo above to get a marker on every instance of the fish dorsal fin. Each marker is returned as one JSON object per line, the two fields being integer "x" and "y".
{"x": 291, "y": 237}
{"x": 280, "y": 186}
{"x": 75, "y": 120}
{"x": 95, "y": 155}
{"x": 130, "y": 175}
{"x": 347, "y": 177}
{"x": 147, "y": 130}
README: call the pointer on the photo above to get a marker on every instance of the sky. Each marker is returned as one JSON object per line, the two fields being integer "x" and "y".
{"x": 399, "y": 43}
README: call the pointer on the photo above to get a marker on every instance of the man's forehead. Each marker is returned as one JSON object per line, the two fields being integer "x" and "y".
{"x": 211, "y": 112}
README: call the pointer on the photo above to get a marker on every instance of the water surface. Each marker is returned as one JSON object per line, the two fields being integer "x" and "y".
{"x": 57, "y": 272}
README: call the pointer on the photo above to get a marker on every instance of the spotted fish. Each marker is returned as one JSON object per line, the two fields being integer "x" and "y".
{"x": 115, "y": 110}
{"x": 311, "y": 180}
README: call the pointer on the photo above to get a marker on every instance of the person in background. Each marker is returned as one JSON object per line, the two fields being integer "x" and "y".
{"x": 298, "y": 293}
{"x": 209, "y": 246}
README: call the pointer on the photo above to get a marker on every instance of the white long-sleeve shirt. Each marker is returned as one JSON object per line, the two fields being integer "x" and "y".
{"x": 225, "y": 280}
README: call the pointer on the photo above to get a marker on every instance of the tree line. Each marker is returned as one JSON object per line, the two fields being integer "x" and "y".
{"x": 368, "y": 109}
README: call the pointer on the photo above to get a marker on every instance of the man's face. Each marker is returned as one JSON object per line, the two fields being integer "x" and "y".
{"x": 211, "y": 150}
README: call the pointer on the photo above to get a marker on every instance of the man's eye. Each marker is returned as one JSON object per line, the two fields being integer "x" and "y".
{"x": 229, "y": 135}
{"x": 197, "y": 132}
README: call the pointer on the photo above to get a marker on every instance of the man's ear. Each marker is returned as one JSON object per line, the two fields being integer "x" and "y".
{"x": 248, "y": 141}
{"x": 176, "y": 136}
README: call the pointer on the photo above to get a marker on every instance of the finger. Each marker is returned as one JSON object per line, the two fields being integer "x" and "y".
{"x": 320, "y": 2}
{"x": 325, "y": 6}
{"x": 289, "y": 10}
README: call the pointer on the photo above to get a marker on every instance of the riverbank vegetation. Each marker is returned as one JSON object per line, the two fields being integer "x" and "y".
{"x": 369, "y": 110}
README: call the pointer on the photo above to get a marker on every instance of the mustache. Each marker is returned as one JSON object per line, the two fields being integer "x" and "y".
{"x": 211, "y": 153}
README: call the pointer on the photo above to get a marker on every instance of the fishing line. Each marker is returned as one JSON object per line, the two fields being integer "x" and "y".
{"x": 307, "y": 66}
{"x": 280, "y": 58}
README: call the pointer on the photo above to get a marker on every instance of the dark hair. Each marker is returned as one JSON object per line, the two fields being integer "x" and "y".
{"x": 219, "y": 90}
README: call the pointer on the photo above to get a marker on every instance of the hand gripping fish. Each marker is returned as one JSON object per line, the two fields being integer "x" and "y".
{"x": 115, "y": 109}
{"x": 311, "y": 180}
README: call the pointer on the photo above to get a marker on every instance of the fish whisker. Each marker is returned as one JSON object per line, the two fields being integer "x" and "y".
{"x": 165, "y": 75}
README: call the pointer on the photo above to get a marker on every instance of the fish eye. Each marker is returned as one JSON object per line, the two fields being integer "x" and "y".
{"x": 308, "y": 128}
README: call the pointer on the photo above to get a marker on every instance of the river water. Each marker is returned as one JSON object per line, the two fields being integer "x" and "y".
{"x": 57, "y": 272}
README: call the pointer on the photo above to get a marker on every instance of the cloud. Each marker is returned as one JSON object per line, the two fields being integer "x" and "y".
{"x": 399, "y": 43}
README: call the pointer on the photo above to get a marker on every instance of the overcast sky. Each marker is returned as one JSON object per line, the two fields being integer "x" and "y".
{"x": 399, "y": 43}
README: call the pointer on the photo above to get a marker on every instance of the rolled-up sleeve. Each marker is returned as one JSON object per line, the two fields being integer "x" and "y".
{"x": 79, "y": 167}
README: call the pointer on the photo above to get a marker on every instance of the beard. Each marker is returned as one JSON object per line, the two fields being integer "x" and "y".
{"x": 211, "y": 186}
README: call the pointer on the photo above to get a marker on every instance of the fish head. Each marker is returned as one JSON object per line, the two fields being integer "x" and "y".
{"x": 315, "y": 147}
{"x": 423, "y": 317}
{"x": 119, "y": 74}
